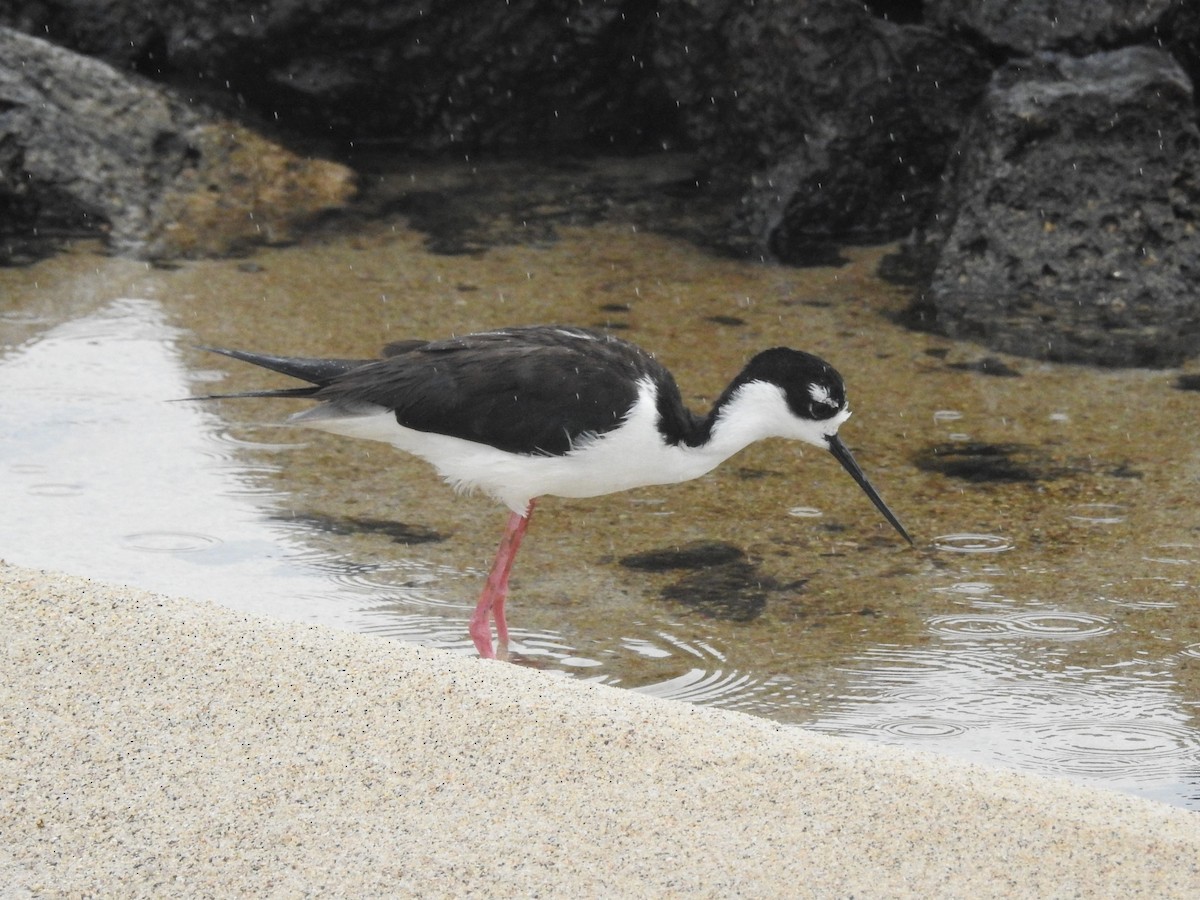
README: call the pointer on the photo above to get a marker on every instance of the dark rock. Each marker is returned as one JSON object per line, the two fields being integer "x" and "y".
{"x": 696, "y": 555}
{"x": 419, "y": 75}
{"x": 1066, "y": 229}
{"x": 1024, "y": 27}
{"x": 242, "y": 190}
{"x": 733, "y": 592}
{"x": 822, "y": 123}
{"x": 983, "y": 463}
{"x": 818, "y": 123}
{"x": 84, "y": 147}
{"x": 979, "y": 463}
{"x": 398, "y": 532}
{"x": 721, "y": 583}
{"x": 502, "y": 202}
{"x": 989, "y": 365}
{"x": 1180, "y": 31}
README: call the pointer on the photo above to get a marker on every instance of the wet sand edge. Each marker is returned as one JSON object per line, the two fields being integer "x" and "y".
{"x": 152, "y": 743}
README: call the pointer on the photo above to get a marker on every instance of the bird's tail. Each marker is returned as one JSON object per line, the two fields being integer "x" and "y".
{"x": 317, "y": 372}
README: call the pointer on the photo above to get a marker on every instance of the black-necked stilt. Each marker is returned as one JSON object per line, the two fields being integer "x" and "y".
{"x": 523, "y": 412}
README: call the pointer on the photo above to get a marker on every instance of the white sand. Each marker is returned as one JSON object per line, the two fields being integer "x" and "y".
{"x": 154, "y": 746}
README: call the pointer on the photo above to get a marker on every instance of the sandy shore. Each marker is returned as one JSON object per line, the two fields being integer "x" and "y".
{"x": 155, "y": 746}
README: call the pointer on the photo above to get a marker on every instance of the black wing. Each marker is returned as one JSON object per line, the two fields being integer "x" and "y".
{"x": 523, "y": 390}
{"x": 317, "y": 372}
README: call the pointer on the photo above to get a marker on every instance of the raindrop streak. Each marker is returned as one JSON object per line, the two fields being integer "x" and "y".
{"x": 645, "y": 648}
{"x": 922, "y": 727}
{"x": 966, "y": 699}
{"x": 973, "y": 543}
{"x": 710, "y": 683}
{"x": 27, "y": 468}
{"x": 1106, "y": 748}
{"x": 1098, "y": 513}
{"x": 242, "y": 437}
{"x": 579, "y": 662}
{"x": 702, "y": 686}
{"x": 169, "y": 541}
{"x": 400, "y": 594}
{"x": 1061, "y": 626}
{"x": 426, "y": 630}
{"x": 1172, "y": 556}
{"x": 974, "y": 625}
{"x": 1127, "y": 603}
{"x": 968, "y": 588}
{"x": 56, "y": 489}
{"x": 243, "y": 480}
{"x": 21, "y": 317}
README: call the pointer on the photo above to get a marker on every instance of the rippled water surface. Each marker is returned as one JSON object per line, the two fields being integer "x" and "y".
{"x": 1048, "y": 619}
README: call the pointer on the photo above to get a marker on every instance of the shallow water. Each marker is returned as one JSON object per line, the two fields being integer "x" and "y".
{"x": 1048, "y": 619}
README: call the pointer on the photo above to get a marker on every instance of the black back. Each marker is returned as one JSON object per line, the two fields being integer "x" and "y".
{"x": 538, "y": 389}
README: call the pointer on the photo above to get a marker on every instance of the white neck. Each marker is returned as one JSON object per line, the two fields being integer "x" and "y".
{"x": 759, "y": 410}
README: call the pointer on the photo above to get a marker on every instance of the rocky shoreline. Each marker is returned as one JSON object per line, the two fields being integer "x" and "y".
{"x": 1041, "y": 167}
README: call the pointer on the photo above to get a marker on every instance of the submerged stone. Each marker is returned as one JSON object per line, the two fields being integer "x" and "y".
{"x": 696, "y": 555}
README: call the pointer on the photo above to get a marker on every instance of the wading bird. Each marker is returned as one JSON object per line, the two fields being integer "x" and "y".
{"x": 523, "y": 412}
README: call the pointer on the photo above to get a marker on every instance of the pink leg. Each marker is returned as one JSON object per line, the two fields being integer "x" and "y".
{"x": 495, "y": 591}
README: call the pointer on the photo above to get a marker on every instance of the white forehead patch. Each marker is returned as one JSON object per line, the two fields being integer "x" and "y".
{"x": 820, "y": 394}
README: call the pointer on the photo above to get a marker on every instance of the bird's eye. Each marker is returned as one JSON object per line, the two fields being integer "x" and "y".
{"x": 823, "y": 404}
{"x": 823, "y": 411}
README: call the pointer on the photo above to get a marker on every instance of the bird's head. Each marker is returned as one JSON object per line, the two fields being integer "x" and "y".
{"x": 797, "y": 395}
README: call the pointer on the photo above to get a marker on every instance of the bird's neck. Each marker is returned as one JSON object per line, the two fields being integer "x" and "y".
{"x": 745, "y": 413}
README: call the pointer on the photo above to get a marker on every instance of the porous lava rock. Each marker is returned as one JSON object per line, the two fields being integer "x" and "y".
{"x": 1066, "y": 229}
{"x": 85, "y": 148}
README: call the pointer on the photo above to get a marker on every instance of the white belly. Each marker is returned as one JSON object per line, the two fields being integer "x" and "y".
{"x": 632, "y": 455}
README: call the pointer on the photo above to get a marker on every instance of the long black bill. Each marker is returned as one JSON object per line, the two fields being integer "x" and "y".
{"x": 842, "y": 454}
